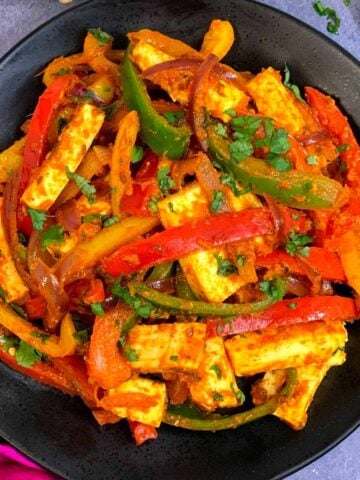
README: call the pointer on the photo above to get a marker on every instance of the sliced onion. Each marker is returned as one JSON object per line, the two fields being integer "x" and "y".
{"x": 68, "y": 216}
{"x": 314, "y": 138}
{"x": 179, "y": 64}
{"x": 299, "y": 287}
{"x": 197, "y": 107}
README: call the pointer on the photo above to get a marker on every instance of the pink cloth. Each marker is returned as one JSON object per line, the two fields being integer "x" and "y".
{"x": 15, "y": 466}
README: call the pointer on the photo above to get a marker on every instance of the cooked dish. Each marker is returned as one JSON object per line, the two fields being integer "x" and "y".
{"x": 179, "y": 240}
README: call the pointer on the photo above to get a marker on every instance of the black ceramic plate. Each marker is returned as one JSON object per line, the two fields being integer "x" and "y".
{"x": 58, "y": 431}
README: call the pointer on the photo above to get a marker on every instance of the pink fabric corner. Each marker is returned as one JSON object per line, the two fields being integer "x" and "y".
{"x": 15, "y": 466}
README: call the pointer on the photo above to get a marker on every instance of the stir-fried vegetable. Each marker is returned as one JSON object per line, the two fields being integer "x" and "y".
{"x": 170, "y": 225}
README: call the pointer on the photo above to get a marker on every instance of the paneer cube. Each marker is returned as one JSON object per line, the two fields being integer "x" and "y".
{"x": 48, "y": 182}
{"x": 293, "y": 411}
{"x": 284, "y": 347}
{"x": 216, "y": 386}
{"x": 200, "y": 268}
{"x": 10, "y": 281}
{"x": 164, "y": 348}
{"x": 138, "y": 399}
{"x": 11, "y": 159}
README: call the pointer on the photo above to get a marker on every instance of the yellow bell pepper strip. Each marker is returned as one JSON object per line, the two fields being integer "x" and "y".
{"x": 156, "y": 132}
{"x": 51, "y": 345}
{"x": 187, "y": 238}
{"x": 191, "y": 418}
{"x": 88, "y": 253}
{"x": 297, "y": 189}
{"x": 218, "y": 39}
{"x": 203, "y": 309}
{"x": 120, "y": 174}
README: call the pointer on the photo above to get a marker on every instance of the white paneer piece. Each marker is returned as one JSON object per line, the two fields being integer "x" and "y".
{"x": 138, "y": 399}
{"x": 293, "y": 410}
{"x": 200, "y": 268}
{"x": 74, "y": 141}
{"x": 10, "y": 281}
{"x": 216, "y": 386}
{"x": 176, "y": 347}
{"x": 285, "y": 347}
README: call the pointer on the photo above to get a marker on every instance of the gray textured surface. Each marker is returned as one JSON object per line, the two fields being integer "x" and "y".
{"x": 20, "y": 17}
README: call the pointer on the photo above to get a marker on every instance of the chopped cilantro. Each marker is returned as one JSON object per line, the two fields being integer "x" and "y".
{"x": 216, "y": 201}
{"x": 295, "y": 89}
{"x": 97, "y": 309}
{"x": 153, "y": 205}
{"x": 26, "y": 355}
{"x": 221, "y": 130}
{"x": 225, "y": 267}
{"x": 43, "y": 336}
{"x": 8, "y": 342}
{"x": 240, "y": 260}
{"x": 279, "y": 163}
{"x": 343, "y": 148}
{"x": 229, "y": 180}
{"x": 217, "y": 397}
{"x": 141, "y": 306}
{"x": 165, "y": 182}
{"x": 240, "y": 149}
{"x": 83, "y": 184}
{"x": 215, "y": 368}
{"x": 231, "y": 112}
{"x": 82, "y": 336}
{"x": 171, "y": 207}
{"x": 101, "y": 36}
{"x": 62, "y": 72}
{"x": 61, "y": 123}
{"x": 311, "y": 160}
{"x": 297, "y": 244}
{"x": 137, "y": 154}
{"x": 38, "y": 218}
{"x": 270, "y": 288}
{"x": 173, "y": 117}
{"x": 333, "y": 20}
{"x": 174, "y": 358}
{"x": 108, "y": 222}
{"x": 55, "y": 234}
{"x": 240, "y": 397}
{"x": 347, "y": 3}
{"x": 246, "y": 125}
{"x": 279, "y": 141}
{"x": 130, "y": 354}
{"x": 91, "y": 217}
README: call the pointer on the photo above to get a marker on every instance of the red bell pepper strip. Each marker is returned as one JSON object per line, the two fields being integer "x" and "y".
{"x": 142, "y": 432}
{"x": 36, "y": 307}
{"x": 144, "y": 186}
{"x": 36, "y": 143}
{"x": 287, "y": 312}
{"x": 193, "y": 236}
{"x": 104, "y": 417}
{"x": 42, "y": 372}
{"x": 105, "y": 363}
{"x": 324, "y": 262}
{"x": 95, "y": 293}
{"x": 337, "y": 126}
{"x": 74, "y": 369}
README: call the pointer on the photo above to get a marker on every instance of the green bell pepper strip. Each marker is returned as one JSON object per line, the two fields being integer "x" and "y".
{"x": 155, "y": 131}
{"x": 161, "y": 272}
{"x": 296, "y": 189}
{"x": 182, "y": 286}
{"x": 203, "y": 309}
{"x": 191, "y": 418}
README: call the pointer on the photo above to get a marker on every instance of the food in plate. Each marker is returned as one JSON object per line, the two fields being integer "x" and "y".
{"x": 176, "y": 236}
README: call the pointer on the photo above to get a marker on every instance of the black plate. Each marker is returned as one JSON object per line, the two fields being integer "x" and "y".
{"x": 58, "y": 431}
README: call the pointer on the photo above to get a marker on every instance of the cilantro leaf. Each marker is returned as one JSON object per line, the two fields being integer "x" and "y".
{"x": 8, "y": 342}
{"x": 62, "y": 72}
{"x": 334, "y": 21}
{"x": 38, "y": 218}
{"x": 295, "y": 89}
{"x": 297, "y": 244}
{"x": 97, "y": 309}
{"x": 82, "y": 336}
{"x": 279, "y": 141}
{"x": 91, "y": 217}
{"x": 153, "y": 205}
{"x": 229, "y": 180}
{"x": 165, "y": 182}
{"x": 279, "y": 163}
{"x": 221, "y": 130}
{"x": 130, "y": 354}
{"x": 270, "y": 288}
{"x": 240, "y": 260}
{"x": 215, "y": 368}
{"x": 217, "y": 397}
{"x": 83, "y": 184}
{"x": 240, "y": 149}
{"x": 216, "y": 200}
{"x": 173, "y": 117}
{"x": 101, "y": 36}
{"x": 231, "y": 112}
{"x": 26, "y": 355}
{"x": 311, "y": 160}
{"x": 141, "y": 306}
{"x": 225, "y": 267}
{"x": 246, "y": 125}
{"x": 343, "y": 148}
{"x": 137, "y": 154}
{"x": 55, "y": 234}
